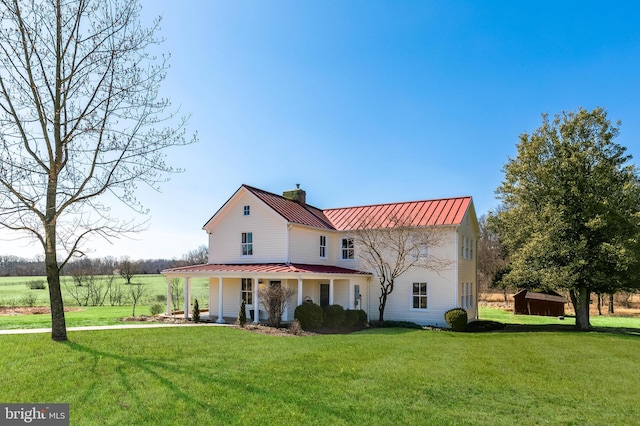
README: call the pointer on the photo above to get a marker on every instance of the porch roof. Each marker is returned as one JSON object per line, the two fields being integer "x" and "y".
{"x": 278, "y": 268}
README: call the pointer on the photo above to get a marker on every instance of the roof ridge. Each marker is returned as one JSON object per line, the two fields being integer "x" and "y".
{"x": 398, "y": 202}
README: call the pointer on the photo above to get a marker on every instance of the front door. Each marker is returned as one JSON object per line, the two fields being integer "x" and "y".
{"x": 324, "y": 295}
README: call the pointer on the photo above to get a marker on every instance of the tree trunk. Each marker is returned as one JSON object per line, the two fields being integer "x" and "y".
{"x": 58, "y": 323}
{"x": 383, "y": 303}
{"x": 580, "y": 301}
{"x": 599, "y": 304}
{"x": 610, "y": 303}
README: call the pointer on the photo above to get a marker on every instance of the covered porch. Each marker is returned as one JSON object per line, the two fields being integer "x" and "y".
{"x": 230, "y": 284}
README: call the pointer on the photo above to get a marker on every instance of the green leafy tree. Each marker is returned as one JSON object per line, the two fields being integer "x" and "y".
{"x": 81, "y": 121}
{"x": 570, "y": 218}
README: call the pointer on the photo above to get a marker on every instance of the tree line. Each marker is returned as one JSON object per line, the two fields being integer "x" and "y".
{"x": 15, "y": 266}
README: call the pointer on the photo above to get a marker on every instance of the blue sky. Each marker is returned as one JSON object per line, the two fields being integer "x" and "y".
{"x": 373, "y": 101}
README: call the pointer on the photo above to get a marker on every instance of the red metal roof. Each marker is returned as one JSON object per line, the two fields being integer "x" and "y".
{"x": 266, "y": 268}
{"x": 292, "y": 211}
{"x": 446, "y": 211}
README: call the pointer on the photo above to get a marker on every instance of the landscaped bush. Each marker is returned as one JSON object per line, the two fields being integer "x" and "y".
{"x": 196, "y": 311}
{"x": 242, "y": 314}
{"x": 456, "y": 318}
{"x": 295, "y": 328}
{"x": 355, "y": 318}
{"x": 36, "y": 285}
{"x": 334, "y": 316}
{"x": 156, "y": 309}
{"x": 309, "y": 315}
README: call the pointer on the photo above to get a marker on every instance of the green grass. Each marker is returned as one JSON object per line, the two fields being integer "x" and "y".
{"x": 14, "y": 289}
{"x": 217, "y": 375}
{"x": 508, "y": 317}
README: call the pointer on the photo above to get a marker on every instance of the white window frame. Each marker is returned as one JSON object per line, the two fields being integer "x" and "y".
{"x": 246, "y": 291}
{"x": 247, "y": 244}
{"x": 420, "y": 296}
{"x": 246, "y": 210}
{"x": 323, "y": 246}
{"x": 347, "y": 252}
{"x": 467, "y": 248}
{"x": 466, "y": 296}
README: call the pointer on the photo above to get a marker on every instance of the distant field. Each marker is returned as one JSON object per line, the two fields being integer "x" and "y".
{"x": 13, "y": 290}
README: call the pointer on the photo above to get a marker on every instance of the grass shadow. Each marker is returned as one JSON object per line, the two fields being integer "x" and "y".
{"x": 541, "y": 328}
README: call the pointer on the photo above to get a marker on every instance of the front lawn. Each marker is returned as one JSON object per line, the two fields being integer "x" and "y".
{"x": 219, "y": 375}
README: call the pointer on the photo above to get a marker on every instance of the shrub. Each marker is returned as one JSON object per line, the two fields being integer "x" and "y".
{"x": 456, "y": 318}
{"x": 309, "y": 315}
{"x": 29, "y": 300}
{"x": 355, "y": 318}
{"x": 242, "y": 315}
{"x": 334, "y": 316}
{"x": 156, "y": 309}
{"x": 36, "y": 285}
{"x": 196, "y": 311}
{"x": 161, "y": 298}
{"x": 295, "y": 328}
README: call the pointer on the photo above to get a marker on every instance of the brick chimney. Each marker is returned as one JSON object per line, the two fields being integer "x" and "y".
{"x": 298, "y": 195}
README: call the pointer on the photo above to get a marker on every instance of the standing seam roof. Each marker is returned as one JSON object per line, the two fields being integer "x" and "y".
{"x": 445, "y": 211}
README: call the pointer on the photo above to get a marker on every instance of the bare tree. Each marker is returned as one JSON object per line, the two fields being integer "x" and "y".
{"x": 275, "y": 298}
{"x": 137, "y": 293}
{"x": 80, "y": 118}
{"x": 199, "y": 256}
{"x": 177, "y": 293}
{"x": 491, "y": 254}
{"x": 391, "y": 246}
{"x": 128, "y": 269}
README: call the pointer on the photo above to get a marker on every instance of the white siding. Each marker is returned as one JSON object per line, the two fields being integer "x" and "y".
{"x": 467, "y": 268}
{"x": 304, "y": 245}
{"x": 441, "y": 290}
{"x": 268, "y": 228}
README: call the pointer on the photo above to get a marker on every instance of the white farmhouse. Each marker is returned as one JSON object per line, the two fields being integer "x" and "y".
{"x": 258, "y": 238}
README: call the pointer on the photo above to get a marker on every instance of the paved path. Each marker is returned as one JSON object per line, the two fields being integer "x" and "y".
{"x": 111, "y": 327}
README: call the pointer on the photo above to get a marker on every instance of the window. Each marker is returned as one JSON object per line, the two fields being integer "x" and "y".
{"x": 247, "y": 210}
{"x": 419, "y": 295}
{"x": 421, "y": 253}
{"x": 247, "y": 243}
{"x": 466, "y": 296}
{"x": 323, "y": 246}
{"x": 347, "y": 248}
{"x": 467, "y": 248}
{"x": 247, "y": 291}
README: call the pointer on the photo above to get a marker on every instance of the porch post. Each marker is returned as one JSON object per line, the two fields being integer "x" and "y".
{"x": 331, "y": 291}
{"x": 187, "y": 296}
{"x": 210, "y": 299}
{"x": 299, "y": 291}
{"x": 256, "y": 301}
{"x": 169, "y": 296}
{"x": 220, "y": 319}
